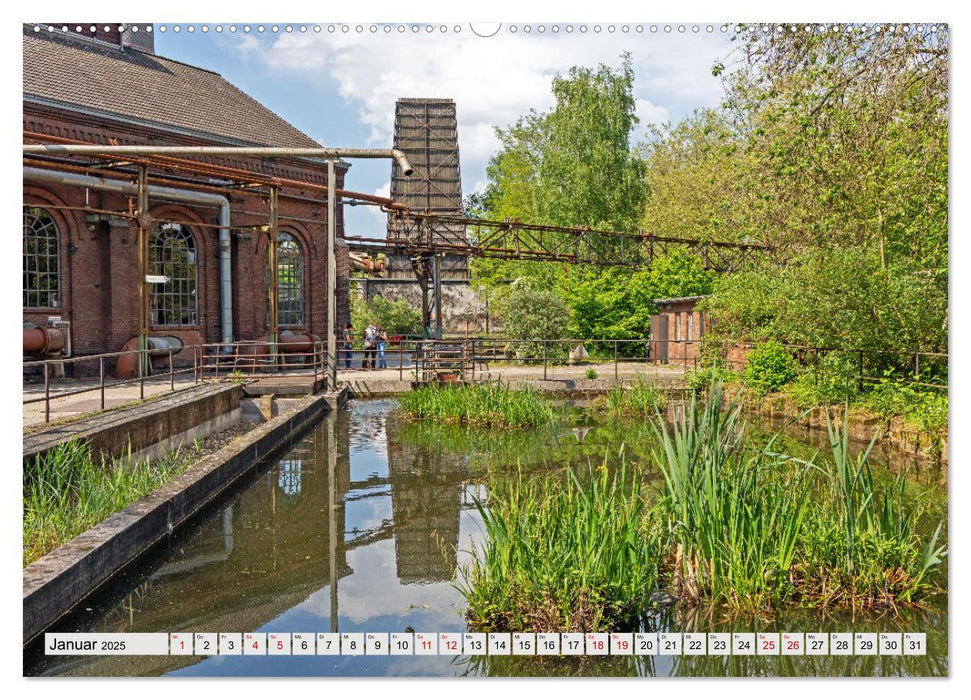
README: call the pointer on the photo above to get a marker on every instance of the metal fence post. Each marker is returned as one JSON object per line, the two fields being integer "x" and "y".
{"x": 616, "y": 375}
{"x": 101, "y": 373}
{"x": 171, "y": 374}
{"x": 143, "y": 362}
{"x": 401, "y": 359}
{"x": 47, "y": 394}
{"x": 545, "y": 353}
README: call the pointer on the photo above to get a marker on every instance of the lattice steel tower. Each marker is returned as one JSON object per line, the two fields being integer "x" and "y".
{"x": 426, "y": 130}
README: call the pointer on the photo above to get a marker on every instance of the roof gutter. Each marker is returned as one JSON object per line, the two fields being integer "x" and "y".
{"x": 170, "y": 194}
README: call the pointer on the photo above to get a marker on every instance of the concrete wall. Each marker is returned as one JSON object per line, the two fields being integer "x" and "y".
{"x": 461, "y": 304}
{"x": 182, "y": 415}
{"x": 57, "y": 582}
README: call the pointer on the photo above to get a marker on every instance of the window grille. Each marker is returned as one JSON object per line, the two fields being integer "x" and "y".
{"x": 172, "y": 253}
{"x": 42, "y": 284}
{"x": 289, "y": 268}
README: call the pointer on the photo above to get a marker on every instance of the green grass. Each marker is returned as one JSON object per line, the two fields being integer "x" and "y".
{"x": 66, "y": 491}
{"x": 483, "y": 405}
{"x": 640, "y": 400}
{"x": 562, "y": 554}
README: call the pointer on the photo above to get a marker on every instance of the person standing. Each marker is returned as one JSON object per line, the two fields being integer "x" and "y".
{"x": 348, "y": 339}
{"x": 382, "y": 344}
{"x": 370, "y": 345}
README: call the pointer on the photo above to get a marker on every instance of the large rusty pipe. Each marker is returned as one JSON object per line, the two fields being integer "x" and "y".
{"x": 241, "y": 174}
{"x": 42, "y": 341}
{"x": 157, "y": 346}
{"x": 255, "y": 151}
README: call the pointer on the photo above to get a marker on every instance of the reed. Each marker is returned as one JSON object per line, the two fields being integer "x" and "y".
{"x": 640, "y": 400}
{"x": 733, "y": 518}
{"x": 66, "y": 491}
{"x": 571, "y": 554}
{"x": 483, "y": 405}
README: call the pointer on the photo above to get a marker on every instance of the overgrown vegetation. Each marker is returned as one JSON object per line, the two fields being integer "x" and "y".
{"x": 67, "y": 491}
{"x": 566, "y": 554}
{"x": 485, "y": 405}
{"x": 395, "y": 316}
{"x": 642, "y": 399}
{"x": 733, "y": 526}
{"x": 769, "y": 366}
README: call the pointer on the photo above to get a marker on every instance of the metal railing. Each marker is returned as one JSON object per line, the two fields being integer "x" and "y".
{"x": 243, "y": 361}
{"x": 466, "y": 358}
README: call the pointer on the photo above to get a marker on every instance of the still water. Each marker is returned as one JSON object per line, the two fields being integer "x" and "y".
{"x": 363, "y": 523}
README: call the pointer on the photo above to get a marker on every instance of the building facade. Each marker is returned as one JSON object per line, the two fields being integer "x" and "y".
{"x": 80, "y": 260}
{"x": 677, "y": 330}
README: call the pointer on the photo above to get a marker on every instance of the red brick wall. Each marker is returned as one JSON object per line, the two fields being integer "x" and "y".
{"x": 99, "y": 260}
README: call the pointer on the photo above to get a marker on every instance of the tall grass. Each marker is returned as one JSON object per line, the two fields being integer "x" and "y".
{"x": 740, "y": 527}
{"x": 66, "y": 491}
{"x": 733, "y": 517}
{"x": 640, "y": 400}
{"x": 573, "y": 554}
{"x": 483, "y": 405}
{"x": 865, "y": 546}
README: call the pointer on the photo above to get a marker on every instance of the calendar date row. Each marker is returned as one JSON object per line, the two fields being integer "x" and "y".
{"x": 491, "y": 644}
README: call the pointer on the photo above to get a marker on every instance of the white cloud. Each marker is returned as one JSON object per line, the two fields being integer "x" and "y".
{"x": 492, "y": 80}
{"x": 648, "y": 113}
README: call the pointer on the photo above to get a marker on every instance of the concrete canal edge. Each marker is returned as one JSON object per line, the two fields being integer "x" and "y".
{"x": 57, "y": 582}
{"x": 165, "y": 421}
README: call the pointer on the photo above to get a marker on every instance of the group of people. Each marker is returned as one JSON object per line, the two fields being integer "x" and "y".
{"x": 375, "y": 341}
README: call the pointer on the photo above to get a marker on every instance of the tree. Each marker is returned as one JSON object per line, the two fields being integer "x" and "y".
{"x": 588, "y": 175}
{"x": 572, "y": 167}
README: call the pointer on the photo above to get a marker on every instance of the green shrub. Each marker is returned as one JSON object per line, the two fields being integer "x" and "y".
{"x": 769, "y": 367}
{"x": 700, "y": 378}
{"x": 590, "y": 373}
{"x": 394, "y": 316}
{"x": 926, "y": 410}
{"x": 529, "y": 311}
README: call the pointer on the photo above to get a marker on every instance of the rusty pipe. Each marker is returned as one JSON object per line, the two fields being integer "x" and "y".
{"x": 255, "y": 151}
{"x": 158, "y": 346}
{"x": 235, "y": 173}
{"x": 42, "y": 341}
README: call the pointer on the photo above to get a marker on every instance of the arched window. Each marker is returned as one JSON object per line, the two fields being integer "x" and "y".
{"x": 289, "y": 271}
{"x": 172, "y": 252}
{"x": 42, "y": 285}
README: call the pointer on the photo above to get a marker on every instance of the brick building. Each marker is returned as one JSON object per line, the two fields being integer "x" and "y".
{"x": 80, "y": 255}
{"x": 677, "y": 329}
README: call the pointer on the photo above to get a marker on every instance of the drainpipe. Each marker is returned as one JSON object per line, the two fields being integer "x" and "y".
{"x": 171, "y": 194}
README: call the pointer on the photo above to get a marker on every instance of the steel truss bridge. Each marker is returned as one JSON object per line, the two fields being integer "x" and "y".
{"x": 421, "y": 235}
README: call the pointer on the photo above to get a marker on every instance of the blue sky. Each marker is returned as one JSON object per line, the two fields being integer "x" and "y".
{"x": 340, "y": 87}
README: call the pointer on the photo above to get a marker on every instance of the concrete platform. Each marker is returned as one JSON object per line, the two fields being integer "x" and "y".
{"x": 561, "y": 379}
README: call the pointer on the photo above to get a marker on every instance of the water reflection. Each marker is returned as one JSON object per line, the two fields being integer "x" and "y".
{"x": 361, "y": 525}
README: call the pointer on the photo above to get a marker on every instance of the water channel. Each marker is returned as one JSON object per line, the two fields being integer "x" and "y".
{"x": 361, "y": 524}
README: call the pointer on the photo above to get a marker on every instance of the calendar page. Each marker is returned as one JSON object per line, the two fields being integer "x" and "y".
{"x": 510, "y": 349}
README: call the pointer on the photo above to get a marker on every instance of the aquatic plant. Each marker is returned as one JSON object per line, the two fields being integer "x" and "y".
{"x": 864, "y": 546}
{"x": 66, "y": 491}
{"x": 640, "y": 400}
{"x": 485, "y": 405}
{"x": 733, "y": 518}
{"x": 570, "y": 554}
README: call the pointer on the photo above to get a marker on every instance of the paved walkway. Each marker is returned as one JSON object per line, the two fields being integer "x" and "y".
{"x": 383, "y": 381}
